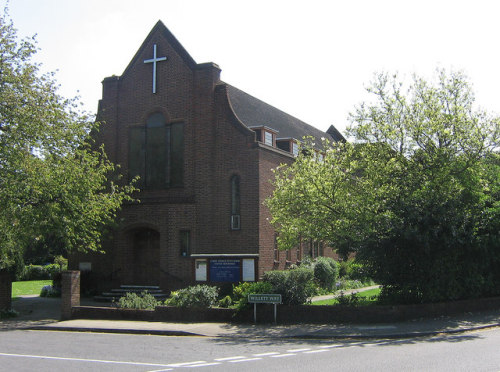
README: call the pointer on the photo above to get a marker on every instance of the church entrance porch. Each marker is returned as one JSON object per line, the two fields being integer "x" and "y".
{"x": 143, "y": 263}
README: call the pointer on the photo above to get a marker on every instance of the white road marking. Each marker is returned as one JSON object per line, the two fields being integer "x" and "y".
{"x": 315, "y": 351}
{"x": 201, "y": 365}
{"x": 84, "y": 360}
{"x": 187, "y": 364}
{"x": 266, "y": 354}
{"x": 330, "y": 346}
{"x": 297, "y": 350}
{"x": 244, "y": 360}
{"x": 229, "y": 358}
{"x": 282, "y": 355}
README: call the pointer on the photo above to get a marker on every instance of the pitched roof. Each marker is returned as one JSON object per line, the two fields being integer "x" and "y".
{"x": 256, "y": 113}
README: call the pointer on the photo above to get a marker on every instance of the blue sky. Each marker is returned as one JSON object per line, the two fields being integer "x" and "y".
{"x": 311, "y": 58}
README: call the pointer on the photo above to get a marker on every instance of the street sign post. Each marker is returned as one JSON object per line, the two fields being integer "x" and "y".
{"x": 265, "y": 298}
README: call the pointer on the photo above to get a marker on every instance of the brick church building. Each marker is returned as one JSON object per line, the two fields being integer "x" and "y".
{"x": 204, "y": 151}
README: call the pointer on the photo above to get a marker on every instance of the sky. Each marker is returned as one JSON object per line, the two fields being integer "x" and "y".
{"x": 309, "y": 58}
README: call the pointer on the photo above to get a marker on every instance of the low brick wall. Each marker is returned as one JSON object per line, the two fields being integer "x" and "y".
{"x": 292, "y": 314}
{"x": 161, "y": 313}
{"x": 5, "y": 290}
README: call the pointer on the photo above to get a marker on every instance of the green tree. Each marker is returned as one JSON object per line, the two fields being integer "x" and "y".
{"x": 53, "y": 180}
{"x": 416, "y": 195}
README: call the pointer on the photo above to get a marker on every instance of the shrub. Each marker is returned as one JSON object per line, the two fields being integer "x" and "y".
{"x": 144, "y": 301}
{"x": 348, "y": 300}
{"x": 35, "y": 272}
{"x": 52, "y": 269}
{"x": 326, "y": 272}
{"x": 353, "y": 270}
{"x": 57, "y": 280}
{"x": 62, "y": 262}
{"x": 199, "y": 296}
{"x": 307, "y": 261}
{"x": 39, "y": 272}
{"x": 242, "y": 290}
{"x": 225, "y": 302}
{"x": 8, "y": 313}
{"x": 50, "y": 291}
{"x": 295, "y": 286}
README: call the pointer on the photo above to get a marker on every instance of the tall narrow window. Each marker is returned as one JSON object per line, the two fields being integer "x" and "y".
{"x": 156, "y": 153}
{"x": 316, "y": 249}
{"x": 235, "y": 203}
{"x": 275, "y": 248}
{"x": 185, "y": 242}
{"x": 299, "y": 250}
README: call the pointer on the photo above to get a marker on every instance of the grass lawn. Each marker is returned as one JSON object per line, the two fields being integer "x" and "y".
{"x": 32, "y": 287}
{"x": 365, "y": 298}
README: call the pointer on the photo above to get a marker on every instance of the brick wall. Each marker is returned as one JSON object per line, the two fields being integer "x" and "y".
{"x": 70, "y": 292}
{"x": 269, "y": 159}
{"x": 5, "y": 290}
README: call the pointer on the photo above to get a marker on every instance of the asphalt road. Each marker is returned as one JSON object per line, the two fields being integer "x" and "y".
{"x": 71, "y": 351}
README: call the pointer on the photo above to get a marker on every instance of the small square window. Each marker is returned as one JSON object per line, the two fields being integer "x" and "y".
{"x": 295, "y": 149}
{"x": 185, "y": 242}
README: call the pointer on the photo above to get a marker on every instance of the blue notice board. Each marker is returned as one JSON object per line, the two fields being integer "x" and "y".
{"x": 225, "y": 270}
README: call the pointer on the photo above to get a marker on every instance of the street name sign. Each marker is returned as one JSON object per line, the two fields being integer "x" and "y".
{"x": 264, "y": 298}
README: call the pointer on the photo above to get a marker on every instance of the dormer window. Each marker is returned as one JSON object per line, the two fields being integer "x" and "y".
{"x": 289, "y": 144}
{"x": 265, "y": 135}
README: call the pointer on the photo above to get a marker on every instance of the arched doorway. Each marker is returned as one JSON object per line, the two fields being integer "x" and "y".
{"x": 145, "y": 256}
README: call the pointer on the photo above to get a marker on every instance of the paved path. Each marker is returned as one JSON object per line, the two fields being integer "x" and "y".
{"x": 44, "y": 313}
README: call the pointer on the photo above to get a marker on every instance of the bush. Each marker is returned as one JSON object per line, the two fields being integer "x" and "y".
{"x": 62, "y": 262}
{"x": 199, "y": 296}
{"x": 353, "y": 270}
{"x": 39, "y": 272}
{"x": 348, "y": 300}
{"x": 34, "y": 272}
{"x": 52, "y": 269}
{"x": 50, "y": 291}
{"x": 295, "y": 286}
{"x": 307, "y": 261}
{"x": 144, "y": 301}
{"x": 326, "y": 272}
{"x": 225, "y": 302}
{"x": 57, "y": 280}
{"x": 8, "y": 313}
{"x": 242, "y": 290}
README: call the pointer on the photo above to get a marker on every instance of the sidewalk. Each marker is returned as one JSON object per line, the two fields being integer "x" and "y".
{"x": 43, "y": 314}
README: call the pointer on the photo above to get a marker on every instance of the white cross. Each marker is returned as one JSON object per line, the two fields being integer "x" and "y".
{"x": 153, "y": 61}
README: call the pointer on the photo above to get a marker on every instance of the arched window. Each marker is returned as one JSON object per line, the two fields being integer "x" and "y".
{"x": 235, "y": 203}
{"x": 156, "y": 153}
